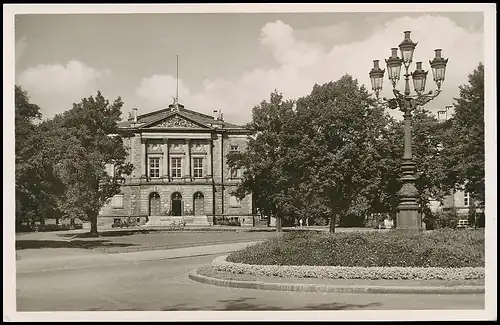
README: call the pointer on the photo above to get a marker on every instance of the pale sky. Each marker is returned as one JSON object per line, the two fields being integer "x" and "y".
{"x": 228, "y": 61}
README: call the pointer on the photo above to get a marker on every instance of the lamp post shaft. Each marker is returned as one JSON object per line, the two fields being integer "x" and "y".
{"x": 407, "y": 81}
{"x": 408, "y": 217}
{"x": 407, "y": 136}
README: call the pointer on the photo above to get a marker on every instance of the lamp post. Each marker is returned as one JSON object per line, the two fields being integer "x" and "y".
{"x": 407, "y": 217}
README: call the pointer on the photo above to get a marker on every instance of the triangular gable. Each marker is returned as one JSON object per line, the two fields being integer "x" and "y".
{"x": 175, "y": 121}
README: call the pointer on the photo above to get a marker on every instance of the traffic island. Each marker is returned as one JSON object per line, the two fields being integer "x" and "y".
{"x": 444, "y": 261}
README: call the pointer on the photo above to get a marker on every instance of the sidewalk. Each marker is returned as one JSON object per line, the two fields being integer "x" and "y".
{"x": 57, "y": 263}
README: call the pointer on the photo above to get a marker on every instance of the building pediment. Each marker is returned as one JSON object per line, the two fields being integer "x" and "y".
{"x": 175, "y": 121}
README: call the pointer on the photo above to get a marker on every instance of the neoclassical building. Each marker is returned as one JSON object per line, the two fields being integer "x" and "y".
{"x": 180, "y": 170}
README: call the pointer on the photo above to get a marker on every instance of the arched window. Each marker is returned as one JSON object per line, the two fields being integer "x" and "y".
{"x": 154, "y": 204}
{"x": 199, "y": 204}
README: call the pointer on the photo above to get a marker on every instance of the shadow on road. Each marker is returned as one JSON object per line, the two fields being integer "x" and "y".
{"x": 111, "y": 233}
{"x": 87, "y": 244}
{"x": 246, "y": 304}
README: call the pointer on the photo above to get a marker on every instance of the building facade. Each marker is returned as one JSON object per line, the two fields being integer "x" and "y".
{"x": 180, "y": 170}
{"x": 459, "y": 200}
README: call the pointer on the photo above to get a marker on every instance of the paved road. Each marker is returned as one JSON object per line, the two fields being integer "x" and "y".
{"x": 164, "y": 286}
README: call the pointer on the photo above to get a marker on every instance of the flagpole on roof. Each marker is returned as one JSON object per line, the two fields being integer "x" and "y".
{"x": 177, "y": 90}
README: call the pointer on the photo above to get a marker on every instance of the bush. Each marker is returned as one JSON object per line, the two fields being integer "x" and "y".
{"x": 375, "y": 220}
{"x": 447, "y": 219}
{"x": 481, "y": 220}
{"x": 438, "y": 248}
{"x": 318, "y": 221}
{"x": 352, "y": 220}
{"x": 228, "y": 222}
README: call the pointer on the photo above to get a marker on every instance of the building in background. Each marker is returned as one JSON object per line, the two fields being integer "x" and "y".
{"x": 180, "y": 170}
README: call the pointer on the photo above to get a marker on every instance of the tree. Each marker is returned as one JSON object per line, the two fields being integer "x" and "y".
{"x": 28, "y": 191}
{"x": 464, "y": 151}
{"x": 268, "y": 172}
{"x": 339, "y": 128}
{"x": 91, "y": 140}
{"x": 389, "y": 146}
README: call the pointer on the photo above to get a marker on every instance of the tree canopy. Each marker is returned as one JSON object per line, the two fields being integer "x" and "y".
{"x": 34, "y": 183}
{"x": 463, "y": 147}
{"x": 318, "y": 159}
{"x": 67, "y": 156}
{"x": 272, "y": 177}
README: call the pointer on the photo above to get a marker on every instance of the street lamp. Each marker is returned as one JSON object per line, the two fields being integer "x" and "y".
{"x": 408, "y": 217}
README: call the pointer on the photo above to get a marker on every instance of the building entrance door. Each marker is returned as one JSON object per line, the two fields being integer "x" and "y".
{"x": 177, "y": 204}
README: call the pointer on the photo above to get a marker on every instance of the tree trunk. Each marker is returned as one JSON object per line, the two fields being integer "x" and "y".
{"x": 57, "y": 221}
{"x": 332, "y": 223}
{"x": 93, "y": 225}
{"x": 278, "y": 224}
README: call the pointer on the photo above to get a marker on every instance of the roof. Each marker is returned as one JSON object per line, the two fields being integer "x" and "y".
{"x": 148, "y": 119}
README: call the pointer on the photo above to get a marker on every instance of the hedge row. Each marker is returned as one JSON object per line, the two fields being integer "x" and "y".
{"x": 340, "y": 272}
{"x": 439, "y": 248}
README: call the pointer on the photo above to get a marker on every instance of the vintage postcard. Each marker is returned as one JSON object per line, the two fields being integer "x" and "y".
{"x": 249, "y": 162}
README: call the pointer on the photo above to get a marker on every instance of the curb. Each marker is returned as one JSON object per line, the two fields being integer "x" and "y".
{"x": 193, "y": 275}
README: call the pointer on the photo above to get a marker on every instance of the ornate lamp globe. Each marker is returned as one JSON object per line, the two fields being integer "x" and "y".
{"x": 407, "y": 47}
{"x": 394, "y": 67}
{"x": 376, "y": 77}
{"x": 419, "y": 77}
{"x": 438, "y": 66}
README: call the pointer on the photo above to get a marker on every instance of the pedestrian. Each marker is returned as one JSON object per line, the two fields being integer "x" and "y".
{"x": 307, "y": 222}
{"x": 301, "y": 221}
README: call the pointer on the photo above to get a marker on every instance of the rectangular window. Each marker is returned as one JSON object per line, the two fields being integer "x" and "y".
{"x": 234, "y": 148}
{"x": 197, "y": 167}
{"x": 176, "y": 168}
{"x": 154, "y": 167}
{"x": 117, "y": 201}
{"x": 466, "y": 199}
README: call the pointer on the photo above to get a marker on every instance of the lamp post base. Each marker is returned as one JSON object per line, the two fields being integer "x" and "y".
{"x": 408, "y": 219}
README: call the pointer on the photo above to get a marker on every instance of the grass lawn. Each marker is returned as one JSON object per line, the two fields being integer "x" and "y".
{"x": 178, "y": 239}
{"x": 439, "y": 248}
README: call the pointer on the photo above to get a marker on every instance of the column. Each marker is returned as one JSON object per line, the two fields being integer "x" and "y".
{"x": 143, "y": 158}
{"x": 132, "y": 154}
{"x": 209, "y": 159}
{"x": 166, "y": 160}
{"x": 187, "y": 169}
